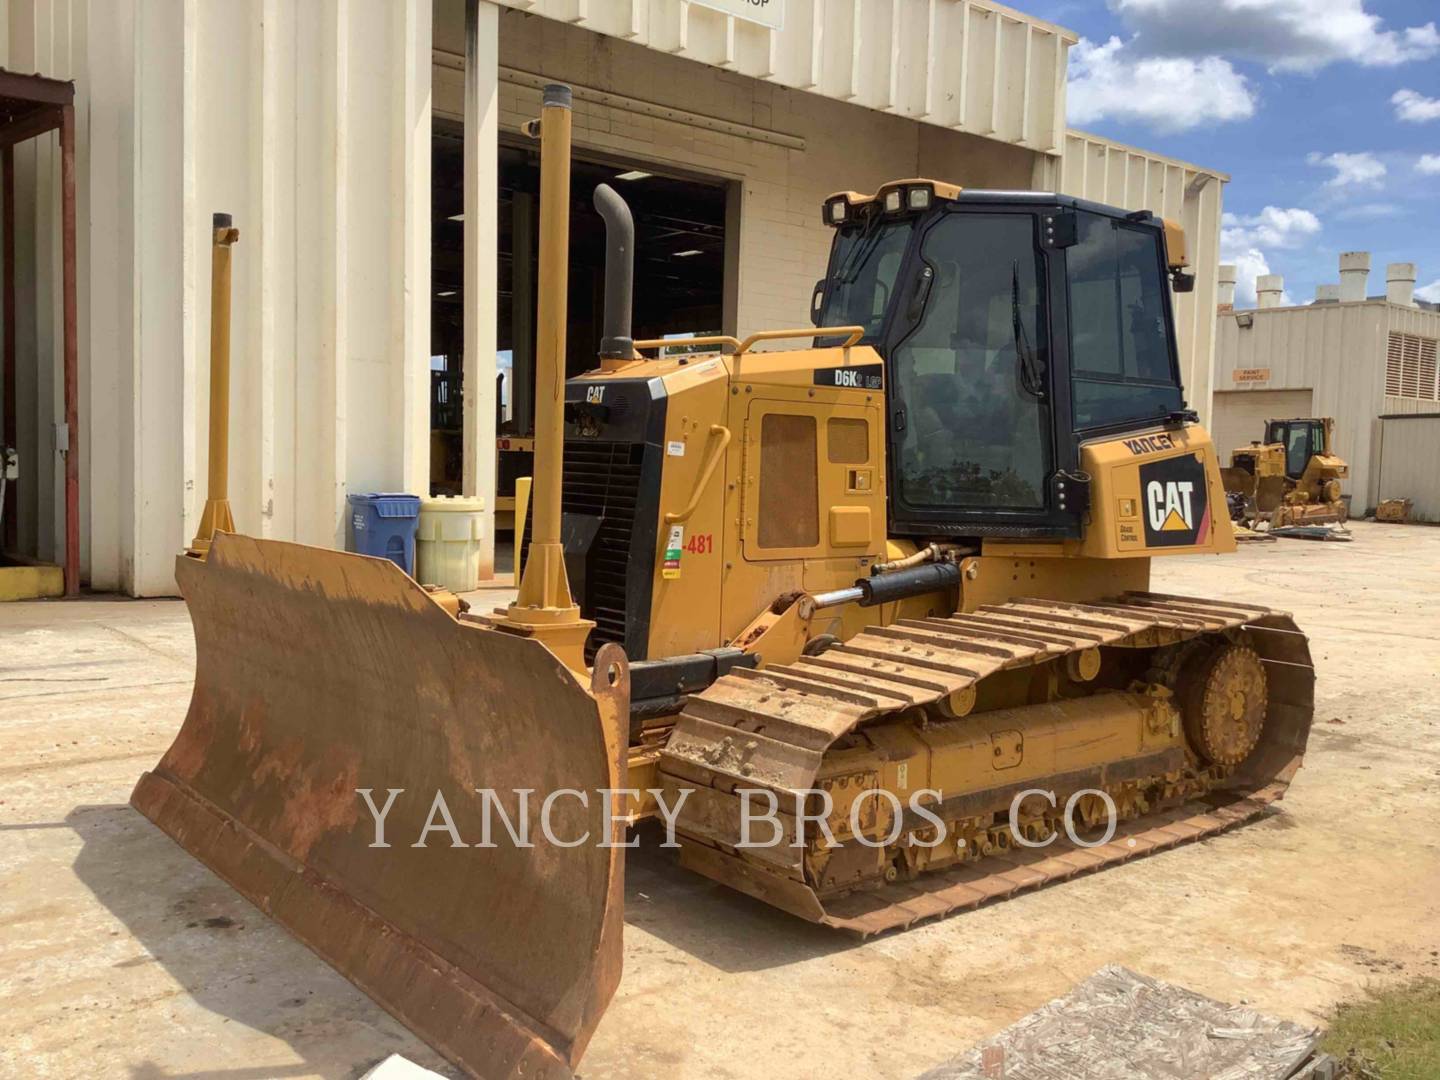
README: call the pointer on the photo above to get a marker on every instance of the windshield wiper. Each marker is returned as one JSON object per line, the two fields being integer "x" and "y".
{"x": 1031, "y": 378}
{"x": 864, "y": 248}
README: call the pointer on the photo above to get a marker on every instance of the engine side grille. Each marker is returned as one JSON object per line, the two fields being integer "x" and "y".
{"x": 602, "y": 479}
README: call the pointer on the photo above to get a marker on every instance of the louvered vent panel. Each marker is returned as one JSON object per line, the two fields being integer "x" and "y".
{"x": 1410, "y": 368}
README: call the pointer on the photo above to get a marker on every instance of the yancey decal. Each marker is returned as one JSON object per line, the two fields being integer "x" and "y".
{"x": 864, "y": 377}
{"x": 1174, "y": 505}
{"x": 1149, "y": 444}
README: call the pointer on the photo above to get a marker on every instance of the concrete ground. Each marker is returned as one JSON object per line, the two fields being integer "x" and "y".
{"x": 122, "y": 956}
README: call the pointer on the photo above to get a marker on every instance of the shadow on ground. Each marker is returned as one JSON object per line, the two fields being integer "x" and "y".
{"x": 230, "y": 959}
{"x": 712, "y": 922}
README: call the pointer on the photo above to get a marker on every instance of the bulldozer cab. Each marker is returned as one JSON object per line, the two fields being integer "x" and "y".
{"x": 1302, "y": 440}
{"x": 1013, "y": 326}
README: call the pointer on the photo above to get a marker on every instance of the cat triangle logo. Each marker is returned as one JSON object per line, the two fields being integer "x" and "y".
{"x": 1169, "y": 505}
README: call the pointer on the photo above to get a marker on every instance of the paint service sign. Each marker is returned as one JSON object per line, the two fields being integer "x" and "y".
{"x": 1173, "y": 502}
{"x": 769, "y": 13}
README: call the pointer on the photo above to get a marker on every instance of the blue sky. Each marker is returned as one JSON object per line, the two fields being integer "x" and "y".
{"x": 1322, "y": 111}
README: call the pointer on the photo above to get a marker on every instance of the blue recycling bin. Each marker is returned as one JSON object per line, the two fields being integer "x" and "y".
{"x": 383, "y": 524}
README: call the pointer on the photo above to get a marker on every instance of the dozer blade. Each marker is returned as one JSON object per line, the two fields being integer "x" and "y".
{"x": 320, "y": 673}
{"x": 1238, "y": 481}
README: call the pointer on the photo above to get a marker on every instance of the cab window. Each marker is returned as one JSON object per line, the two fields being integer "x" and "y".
{"x": 863, "y": 268}
{"x": 972, "y": 423}
{"x": 1122, "y": 364}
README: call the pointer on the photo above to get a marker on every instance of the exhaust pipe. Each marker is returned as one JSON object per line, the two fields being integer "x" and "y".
{"x": 616, "y": 343}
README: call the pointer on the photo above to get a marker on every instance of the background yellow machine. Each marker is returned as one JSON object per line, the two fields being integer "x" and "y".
{"x": 1291, "y": 477}
{"x": 903, "y": 562}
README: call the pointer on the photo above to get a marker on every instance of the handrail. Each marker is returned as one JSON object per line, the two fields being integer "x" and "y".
{"x": 705, "y": 474}
{"x": 711, "y": 339}
{"x": 855, "y": 332}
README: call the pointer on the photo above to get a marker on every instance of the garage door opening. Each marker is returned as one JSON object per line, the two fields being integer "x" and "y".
{"x": 1240, "y": 415}
{"x": 680, "y": 286}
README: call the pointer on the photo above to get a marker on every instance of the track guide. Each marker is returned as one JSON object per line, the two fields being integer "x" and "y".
{"x": 771, "y": 728}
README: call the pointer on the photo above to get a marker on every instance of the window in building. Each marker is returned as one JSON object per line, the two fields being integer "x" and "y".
{"x": 1410, "y": 368}
{"x": 1120, "y": 351}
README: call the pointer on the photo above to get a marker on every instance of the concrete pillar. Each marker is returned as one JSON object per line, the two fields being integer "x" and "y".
{"x": 413, "y": 178}
{"x": 1327, "y": 294}
{"x": 1354, "y": 273}
{"x": 1228, "y": 276}
{"x": 1400, "y": 284}
{"x": 160, "y": 367}
{"x": 482, "y": 247}
{"x": 1269, "y": 288}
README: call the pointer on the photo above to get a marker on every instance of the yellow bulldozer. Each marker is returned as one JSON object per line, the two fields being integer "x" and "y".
{"x": 1291, "y": 477}
{"x": 886, "y": 592}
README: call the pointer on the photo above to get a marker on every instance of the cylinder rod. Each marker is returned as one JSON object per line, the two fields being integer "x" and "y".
{"x": 217, "y": 516}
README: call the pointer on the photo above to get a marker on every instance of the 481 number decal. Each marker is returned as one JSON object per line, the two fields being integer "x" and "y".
{"x": 701, "y": 544}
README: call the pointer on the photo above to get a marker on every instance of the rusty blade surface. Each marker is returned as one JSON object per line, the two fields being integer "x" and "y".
{"x": 319, "y": 673}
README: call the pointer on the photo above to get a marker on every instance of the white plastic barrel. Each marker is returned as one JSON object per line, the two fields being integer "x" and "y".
{"x": 447, "y": 544}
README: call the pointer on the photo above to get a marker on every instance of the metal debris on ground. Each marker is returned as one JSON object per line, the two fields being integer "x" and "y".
{"x": 1313, "y": 532}
{"x": 1121, "y": 1025}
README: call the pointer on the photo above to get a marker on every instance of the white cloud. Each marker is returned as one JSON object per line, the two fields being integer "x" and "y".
{"x": 1249, "y": 265}
{"x": 1415, "y": 107}
{"x": 1370, "y": 211}
{"x": 1430, "y": 293}
{"x": 1273, "y": 227}
{"x": 1429, "y": 164}
{"x": 1351, "y": 170}
{"x": 1168, "y": 94}
{"x": 1285, "y": 35}
{"x": 1245, "y": 239}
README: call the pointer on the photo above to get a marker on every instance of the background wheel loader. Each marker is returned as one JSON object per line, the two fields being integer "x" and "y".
{"x": 1291, "y": 477}
{"x": 904, "y": 564}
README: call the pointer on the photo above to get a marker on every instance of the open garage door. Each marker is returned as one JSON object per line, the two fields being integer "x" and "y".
{"x": 681, "y": 279}
{"x": 1409, "y": 449}
{"x": 1240, "y": 415}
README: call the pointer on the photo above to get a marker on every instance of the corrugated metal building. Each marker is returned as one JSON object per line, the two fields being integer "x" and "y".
{"x": 321, "y": 126}
{"x": 1361, "y": 360}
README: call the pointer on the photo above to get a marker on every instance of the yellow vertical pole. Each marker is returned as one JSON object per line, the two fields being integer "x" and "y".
{"x": 544, "y": 607}
{"x": 217, "y": 516}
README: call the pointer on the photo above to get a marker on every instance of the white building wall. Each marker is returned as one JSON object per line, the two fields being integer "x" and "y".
{"x": 799, "y": 148}
{"x": 966, "y": 65}
{"x": 1108, "y": 172}
{"x": 310, "y": 124}
{"x": 1336, "y": 350}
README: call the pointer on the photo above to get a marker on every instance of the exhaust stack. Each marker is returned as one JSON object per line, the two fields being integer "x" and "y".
{"x": 1226, "y": 298}
{"x": 1354, "y": 274}
{"x": 1400, "y": 284}
{"x": 616, "y": 343}
{"x": 1269, "y": 290}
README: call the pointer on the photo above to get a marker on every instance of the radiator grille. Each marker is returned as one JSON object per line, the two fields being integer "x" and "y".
{"x": 603, "y": 479}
